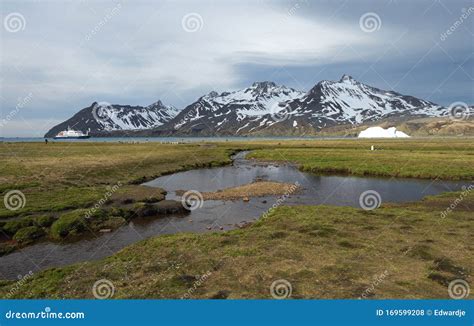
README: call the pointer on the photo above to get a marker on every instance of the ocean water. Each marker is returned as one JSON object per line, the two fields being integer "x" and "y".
{"x": 157, "y": 139}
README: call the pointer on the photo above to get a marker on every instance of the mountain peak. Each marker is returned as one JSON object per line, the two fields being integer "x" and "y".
{"x": 213, "y": 94}
{"x": 157, "y": 103}
{"x": 346, "y": 78}
{"x": 251, "y": 110}
{"x": 263, "y": 84}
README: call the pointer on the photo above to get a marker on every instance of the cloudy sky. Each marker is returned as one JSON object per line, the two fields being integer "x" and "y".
{"x": 60, "y": 56}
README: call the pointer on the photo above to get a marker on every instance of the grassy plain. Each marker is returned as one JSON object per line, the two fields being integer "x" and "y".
{"x": 61, "y": 176}
{"x": 429, "y": 158}
{"x": 396, "y": 251}
{"x": 323, "y": 251}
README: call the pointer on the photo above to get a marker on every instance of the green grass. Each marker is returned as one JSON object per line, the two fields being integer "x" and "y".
{"x": 71, "y": 223}
{"x": 323, "y": 251}
{"x": 429, "y": 159}
{"x": 63, "y": 176}
{"x": 10, "y": 227}
{"x": 28, "y": 234}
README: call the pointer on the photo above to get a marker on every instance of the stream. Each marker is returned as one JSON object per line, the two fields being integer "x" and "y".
{"x": 216, "y": 215}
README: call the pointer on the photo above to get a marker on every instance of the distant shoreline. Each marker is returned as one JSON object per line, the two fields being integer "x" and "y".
{"x": 210, "y": 138}
{"x": 168, "y": 139}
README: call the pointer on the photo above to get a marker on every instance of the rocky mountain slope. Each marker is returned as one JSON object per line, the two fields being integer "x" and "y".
{"x": 231, "y": 113}
{"x": 101, "y": 118}
{"x": 264, "y": 108}
{"x": 289, "y": 112}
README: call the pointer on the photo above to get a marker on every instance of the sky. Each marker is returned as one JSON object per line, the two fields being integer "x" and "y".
{"x": 57, "y": 57}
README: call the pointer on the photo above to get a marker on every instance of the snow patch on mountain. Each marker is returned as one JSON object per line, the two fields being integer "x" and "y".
{"x": 259, "y": 99}
{"x": 103, "y": 116}
{"x": 117, "y": 117}
{"x": 263, "y": 108}
{"x": 348, "y": 100}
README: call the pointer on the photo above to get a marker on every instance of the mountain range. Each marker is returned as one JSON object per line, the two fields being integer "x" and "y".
{"x": 264, "y": 108}
{"x": 102, "y": 117}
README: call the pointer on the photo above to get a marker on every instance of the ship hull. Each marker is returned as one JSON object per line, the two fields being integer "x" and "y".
{"x": 71, "y": 137}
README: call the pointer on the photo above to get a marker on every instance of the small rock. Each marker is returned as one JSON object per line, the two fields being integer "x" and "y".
{"x": 209, "y": 228}
{"x": 264, "y": 201}
{"x": 222, "y": 228}
{"x": 246, "y": 199}
{"x": 190, "y": 221}
{"x": 222, "y": 294}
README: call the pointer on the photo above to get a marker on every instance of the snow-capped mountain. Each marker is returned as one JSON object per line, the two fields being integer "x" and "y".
{"x": 225, "y": 112}
{"x": 105, "y": 117}
{"x": 265, "y": 108}
{"x": 349, "y": 101}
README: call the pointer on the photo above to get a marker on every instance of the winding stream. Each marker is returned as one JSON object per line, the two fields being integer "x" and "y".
{"x": 215, "y": 216}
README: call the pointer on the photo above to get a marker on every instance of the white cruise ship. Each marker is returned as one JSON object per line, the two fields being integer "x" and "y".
{"x": 71, "y": 134}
